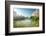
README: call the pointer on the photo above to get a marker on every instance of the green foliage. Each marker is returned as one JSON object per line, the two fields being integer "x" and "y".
{"x": 35, "y": 20}
{"x": 19, "y": 22}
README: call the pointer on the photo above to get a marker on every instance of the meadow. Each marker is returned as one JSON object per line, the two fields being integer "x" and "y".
{"x": 33, "y": 21}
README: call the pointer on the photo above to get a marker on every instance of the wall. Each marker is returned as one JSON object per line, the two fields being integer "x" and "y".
{"x": 2, "y": 18}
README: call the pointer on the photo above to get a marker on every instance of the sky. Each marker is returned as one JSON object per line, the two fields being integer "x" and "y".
{"x": 25, "y": 11}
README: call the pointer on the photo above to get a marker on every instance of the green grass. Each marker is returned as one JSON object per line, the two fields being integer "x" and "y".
{"x": 33, "y": 22}
{"x": 22, "y": 23}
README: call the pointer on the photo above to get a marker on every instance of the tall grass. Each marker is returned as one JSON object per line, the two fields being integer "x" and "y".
{"x": 35, "y": 21}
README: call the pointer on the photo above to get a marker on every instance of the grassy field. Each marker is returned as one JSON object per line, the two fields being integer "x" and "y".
{"x": 22, "y": 23}
{"x": 32, "y": 22}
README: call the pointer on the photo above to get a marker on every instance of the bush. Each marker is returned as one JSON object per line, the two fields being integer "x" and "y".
{"x": 35, "y": 20}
